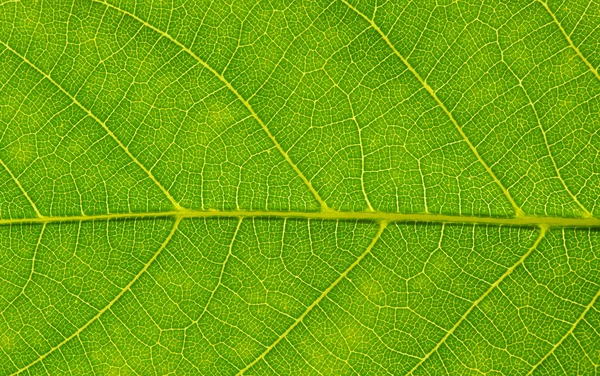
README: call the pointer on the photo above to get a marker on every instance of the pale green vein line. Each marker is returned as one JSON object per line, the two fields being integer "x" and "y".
{"x": 586, "y": 212}
{"x": 568, "y": 333}
{"x": 382, "y": 226}
{"x": 103, "y": 124}
{"x": 335, "y": 215}
{"x": 543, "y": 230}
{"x": 35, "y": 252}
{"x": 31, "y": 271}
{"x": 220, "y": 280}
{"x": 518, "y": 211}
{"x": 35, "y": 209}
{"x": 568, "y": 38}
{"x": 247, "y": 104}
{"x": 110, "y": 304}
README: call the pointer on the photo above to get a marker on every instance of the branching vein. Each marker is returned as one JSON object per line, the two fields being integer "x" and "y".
{"x": 14, "y": 178}
{"x": 99, "y": 121}
{"x": 247, "y": 104}
{"x": 568, "y": 38}
{"x": 109, "y": 305}
{"x": 382, "y": 227}
{"x": 568, "y": 333}
{"x": 516, "y": 208}
{"x": 481, "y": 298}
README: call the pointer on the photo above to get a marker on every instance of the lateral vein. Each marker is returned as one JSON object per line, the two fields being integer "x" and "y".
{"x": 518, "y": 211}
{"x": 176, "y": 205}
{"x": 382, "y": 227}
{"x": 568, "y": 333}
{"x": 14, "y": 178}
{"x": 247, "y": 104}
{"x": 110, "y": 304}
{"x": 482, "y": 297}
{"x": 586, "y": 213}
{"x": 568, "y": 38}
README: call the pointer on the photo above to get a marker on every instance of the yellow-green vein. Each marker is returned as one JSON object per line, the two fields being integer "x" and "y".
{"x": 31, "y": 271}
{"x": 543, "y": 230}
{"x": 109, "y": 305}
{"x": 14, "y": 178}
{"x": 518, "y": 211}
{"x": 586, "y": 213}
{"x": 568, "y": 38}
{"x": 247, "y": 104}
{"x": 382, "y": 226}
{"x": 335, "y": 215}
{"x": 220, "y": 279}
{"x": 567, "y": 334}
{"x": 102, "y": 123}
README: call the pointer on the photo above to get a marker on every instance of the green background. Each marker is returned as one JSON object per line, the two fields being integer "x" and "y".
{"x": 299, "y": 187}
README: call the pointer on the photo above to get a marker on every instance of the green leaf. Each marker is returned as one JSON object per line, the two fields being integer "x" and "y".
{"x": 299, "y": 187}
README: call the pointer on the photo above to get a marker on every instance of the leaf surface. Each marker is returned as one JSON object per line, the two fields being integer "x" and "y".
{"x": 293, "y": 187}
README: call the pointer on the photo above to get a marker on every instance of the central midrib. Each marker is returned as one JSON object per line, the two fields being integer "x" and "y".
{"x": 526, "y": 220}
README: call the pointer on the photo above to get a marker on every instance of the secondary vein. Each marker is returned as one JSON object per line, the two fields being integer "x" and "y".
{"x": 35, "y": 209}
{"x": 429, "y": 89}
{"x": 568, "y": 38}
{"x": 568, "y": 333}
{"x": 482, "y": 297}
{"x": 110, "y": 304}
{"x": 382, "y": 226}
{"x": 247, "y": 104}
{"x": 586, "y": 213}
{"x": 99, "y": 121}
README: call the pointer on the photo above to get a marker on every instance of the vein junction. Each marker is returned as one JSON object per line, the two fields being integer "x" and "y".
{"x": 525, "y": 220}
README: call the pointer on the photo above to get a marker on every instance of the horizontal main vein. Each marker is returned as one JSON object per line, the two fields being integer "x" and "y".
{"x": 525, "y": 220}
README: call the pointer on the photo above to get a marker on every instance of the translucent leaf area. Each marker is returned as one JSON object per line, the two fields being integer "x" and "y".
{"x": 272, "y": 187}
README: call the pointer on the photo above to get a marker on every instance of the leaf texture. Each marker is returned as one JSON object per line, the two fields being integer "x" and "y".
{"x": 299, "y": 187}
